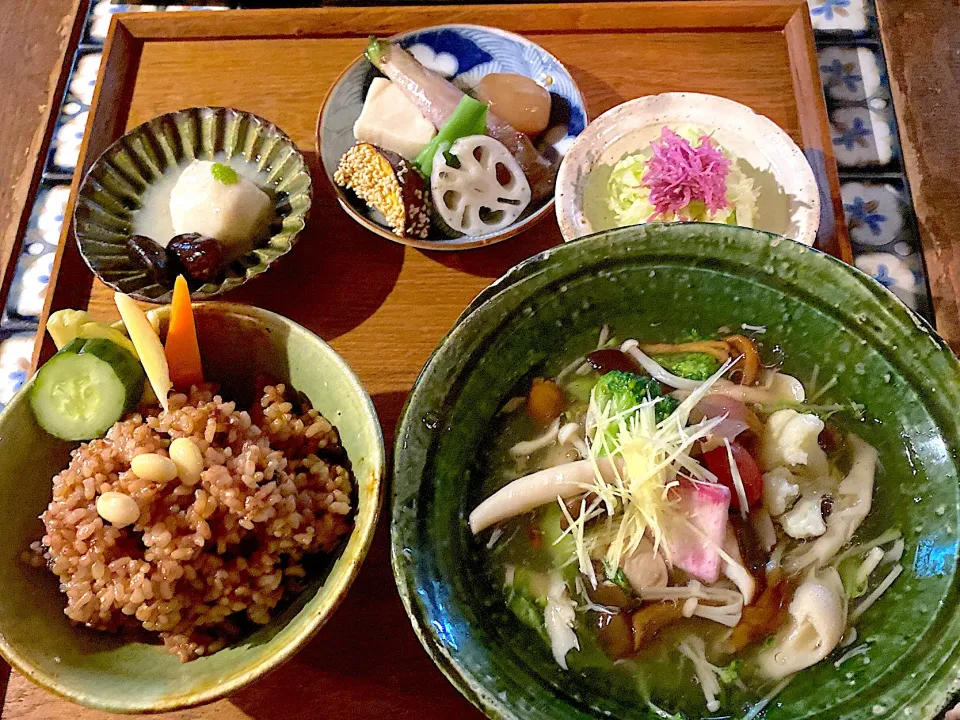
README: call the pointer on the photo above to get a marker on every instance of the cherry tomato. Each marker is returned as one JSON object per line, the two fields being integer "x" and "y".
{"x": 717, "y": 462}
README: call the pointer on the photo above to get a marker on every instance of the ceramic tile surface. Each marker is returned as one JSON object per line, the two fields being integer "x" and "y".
{"x": 853, "y": 17}
{"x": 853, "y": 74}
{"x": 876, "y": 197}
{"x": 65, "y": 144}
{"x": 15, "y": 351}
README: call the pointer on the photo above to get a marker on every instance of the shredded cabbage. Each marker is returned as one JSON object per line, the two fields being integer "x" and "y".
{"x": 629, "y": 198}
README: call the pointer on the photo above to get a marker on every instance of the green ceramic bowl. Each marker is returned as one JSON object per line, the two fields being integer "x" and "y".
{"x": 659, "y": 281}
{"x": 114, "y": 188}
{"x": 103, "y": 672}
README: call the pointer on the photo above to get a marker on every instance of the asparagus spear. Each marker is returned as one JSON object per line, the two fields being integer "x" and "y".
{"x": 469, "y": 118}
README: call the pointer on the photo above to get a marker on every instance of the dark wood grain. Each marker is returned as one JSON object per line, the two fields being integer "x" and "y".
{"x": 926, "y": 90}
{"x": 117, "y": 72}
{"x": 382, "y": 306}
{"x": 4, "y": 680}
{"x": 922, "y": 41}
{"x": 37, "y": 40}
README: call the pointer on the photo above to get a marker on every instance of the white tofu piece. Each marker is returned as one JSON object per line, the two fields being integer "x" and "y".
{"x": 780, "y": 489}
{"x": 389, "y": 120}
{"x": 235, "y": 213}
{"x": 805, "y": 520}
{"x": 790, "y": 439}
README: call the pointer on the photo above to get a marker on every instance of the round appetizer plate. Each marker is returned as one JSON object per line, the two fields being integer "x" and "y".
{"x": 463, "y": 54}
{"x": 660, "y": 281}
{"x": 150, "y": 158}
{"x": 789, "y": 200}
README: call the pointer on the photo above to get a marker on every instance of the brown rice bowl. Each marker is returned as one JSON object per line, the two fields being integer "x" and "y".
{"x": 203, "y": 560}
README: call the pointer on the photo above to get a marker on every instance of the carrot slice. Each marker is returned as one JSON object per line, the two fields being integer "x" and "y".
{"x": 182, "y": 349}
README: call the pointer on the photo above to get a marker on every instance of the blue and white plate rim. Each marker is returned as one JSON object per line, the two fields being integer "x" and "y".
{"x": 456, "y": 243}
{"x": 514, "y": 37}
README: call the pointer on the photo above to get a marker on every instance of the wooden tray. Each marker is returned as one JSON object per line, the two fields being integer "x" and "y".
{"x": 383, "y": 306}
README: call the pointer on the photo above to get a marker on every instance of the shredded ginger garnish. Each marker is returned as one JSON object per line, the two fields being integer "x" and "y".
{"x": 649, "y": 459}
{"x": 679, "y": 173}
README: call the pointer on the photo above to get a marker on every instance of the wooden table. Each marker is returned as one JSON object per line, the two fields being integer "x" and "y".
{"x": 35, "y": 38}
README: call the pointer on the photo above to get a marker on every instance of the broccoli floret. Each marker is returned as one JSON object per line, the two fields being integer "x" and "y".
{"x": 666, "y": 407}
{"x": 692, "y": 335}
{"x": 528, "y": 608}
{"x": 690, "y": 365}
{"x": 731, "y": 672}
{"x": 622, "y": 391}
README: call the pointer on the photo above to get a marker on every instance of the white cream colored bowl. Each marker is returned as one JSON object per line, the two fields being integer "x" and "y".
{"x": 789, "y": 202}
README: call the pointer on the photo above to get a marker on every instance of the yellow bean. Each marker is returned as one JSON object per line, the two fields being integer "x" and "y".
{"x": 154, "y": 467}
{"x": 188, "y": 459}
{"x": 118, "y": 509}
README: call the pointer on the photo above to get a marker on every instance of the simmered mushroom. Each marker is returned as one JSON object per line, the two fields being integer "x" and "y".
{"x": 611, "y": 595}
{"x": 615, "y": 634}
{"x": 651, "y": 619}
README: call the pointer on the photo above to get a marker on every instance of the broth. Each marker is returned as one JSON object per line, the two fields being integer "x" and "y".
{"x": 661, "y": 640}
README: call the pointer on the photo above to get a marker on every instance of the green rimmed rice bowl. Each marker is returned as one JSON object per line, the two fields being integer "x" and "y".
{"x": 134, "y": 672}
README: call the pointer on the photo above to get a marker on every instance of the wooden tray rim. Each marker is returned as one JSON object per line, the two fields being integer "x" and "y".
{"x": 129, "y": 31}
{"x": 326, "y": 22}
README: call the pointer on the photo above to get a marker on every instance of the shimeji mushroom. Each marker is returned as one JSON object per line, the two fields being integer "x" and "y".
{"x": 818, "y": 618}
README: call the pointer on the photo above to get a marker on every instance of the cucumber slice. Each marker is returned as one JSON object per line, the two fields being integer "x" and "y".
{"x": 74, "y": 346}
{"x": 92, "y": 330}
{"x": 77, "y": 396}
{"x": 124, "y": 364}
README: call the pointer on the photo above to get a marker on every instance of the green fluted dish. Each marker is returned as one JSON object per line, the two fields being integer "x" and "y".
{"x": 684, "y": 277}
{"x": 113, "y": 189}
{"x": 104, "y": 672}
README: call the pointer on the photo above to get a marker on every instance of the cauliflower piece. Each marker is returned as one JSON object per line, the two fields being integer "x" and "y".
{"x": 805, "y": 520}
{"x": 790, "y": 439}
{"x": 780, "y": 489}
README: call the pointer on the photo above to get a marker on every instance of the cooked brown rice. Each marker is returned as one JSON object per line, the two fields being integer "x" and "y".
{"x": 201, "y": 559}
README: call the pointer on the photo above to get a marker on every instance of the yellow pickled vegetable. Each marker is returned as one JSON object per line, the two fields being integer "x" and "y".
{"x": 148, "y": 345}
{"x": 64, "y": 324}
{"x": 93, "y": 329}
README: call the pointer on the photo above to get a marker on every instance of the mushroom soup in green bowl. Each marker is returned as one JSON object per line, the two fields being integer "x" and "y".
{"x": 684, "y": 471}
